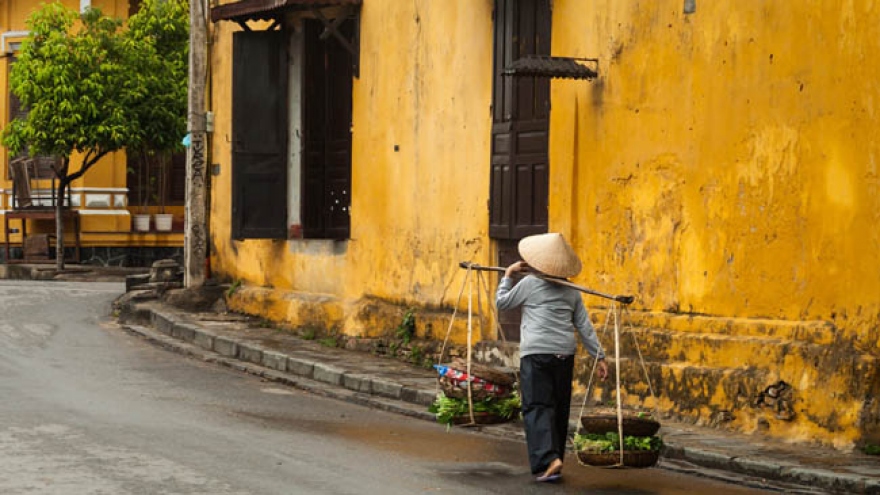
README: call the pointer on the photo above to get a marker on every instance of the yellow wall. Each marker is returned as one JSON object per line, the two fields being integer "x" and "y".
{"x": 416, "y": 212}
{"x": 102, "y": 225}
{"x": 722, "y": 168}
{"x": 725, "y": 162}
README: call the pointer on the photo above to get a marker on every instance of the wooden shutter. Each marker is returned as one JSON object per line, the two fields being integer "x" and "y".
{"x": 259, "y": 135}
{"x": 520, "y": 123}
{"x": 327, "y": 103}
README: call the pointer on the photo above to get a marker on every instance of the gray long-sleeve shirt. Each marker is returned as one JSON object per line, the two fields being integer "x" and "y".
{"x": 550, "y": 313}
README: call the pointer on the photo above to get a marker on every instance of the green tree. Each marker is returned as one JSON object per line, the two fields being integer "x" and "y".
{"x": 159, "y": 36}
{"x": 92, "y": 88}
{"x": 74, "y": 80}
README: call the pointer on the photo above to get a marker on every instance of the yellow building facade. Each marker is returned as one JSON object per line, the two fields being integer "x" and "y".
{"x": 721, "y": 165}
{"x": 101, "y": 197}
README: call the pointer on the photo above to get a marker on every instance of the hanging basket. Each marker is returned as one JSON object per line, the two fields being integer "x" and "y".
{"x": 485, "y": 372}
{"x": 631, "y": 458}
{"x": 480, "y": 418}
{"x": 454, "y": 389}
{"x": 485, "y": 381}
{"x": 633, "y": 426}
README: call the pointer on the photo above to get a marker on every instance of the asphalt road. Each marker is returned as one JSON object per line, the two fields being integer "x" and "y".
{"x": 86, "y": 408}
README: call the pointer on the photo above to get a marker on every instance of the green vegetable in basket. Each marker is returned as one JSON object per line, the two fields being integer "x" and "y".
{"x": 509, "y": 407}
{"x": 610, "y": 442}
{"x": 448, "y": 408}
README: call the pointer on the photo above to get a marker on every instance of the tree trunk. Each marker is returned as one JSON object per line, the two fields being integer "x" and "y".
{"x": 59, "y": 226}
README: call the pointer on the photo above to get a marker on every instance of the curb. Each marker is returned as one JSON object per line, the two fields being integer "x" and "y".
{"x": 309, "y": 385}
{"x": 329, "y": 380}
{"x": 318, "y": 372}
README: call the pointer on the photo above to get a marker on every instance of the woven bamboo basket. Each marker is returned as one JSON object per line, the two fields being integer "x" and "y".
{"x": 480, "y": 418}
{"x": 485, "y": 372}
{"x": 631, "y": 458}
{"x": 632, "y": 425}
{"x": 451, "y": 389}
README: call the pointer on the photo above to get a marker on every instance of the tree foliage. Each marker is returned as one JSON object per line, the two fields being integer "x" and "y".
{"x": 92, "y": 87}
{"x": 75, "y": 80}
{"x": 159, "y": 34}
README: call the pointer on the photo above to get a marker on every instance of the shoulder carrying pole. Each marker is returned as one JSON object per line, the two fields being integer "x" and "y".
{"x": 560, "y": 281}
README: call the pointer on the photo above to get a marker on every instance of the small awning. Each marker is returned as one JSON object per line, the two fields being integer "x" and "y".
{"x": 264, "y": 10}
{"x": 553, "y": 67}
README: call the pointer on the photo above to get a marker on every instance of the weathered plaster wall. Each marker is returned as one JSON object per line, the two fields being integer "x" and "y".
{"x": 722, "y": 168}
{"x": 724, "y": 165}
{"x": 725, "y": 162}
{"x": 421, "y": 126}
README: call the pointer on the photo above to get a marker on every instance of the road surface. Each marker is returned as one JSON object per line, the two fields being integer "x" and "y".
{"x": 89, "y": 409}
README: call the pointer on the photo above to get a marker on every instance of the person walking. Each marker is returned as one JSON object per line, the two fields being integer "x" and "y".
{"x": 550, "y": 315}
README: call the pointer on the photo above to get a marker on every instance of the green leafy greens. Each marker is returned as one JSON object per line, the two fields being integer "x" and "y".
{"x": 610, "y": 442}
{"x": 448, "y": 408}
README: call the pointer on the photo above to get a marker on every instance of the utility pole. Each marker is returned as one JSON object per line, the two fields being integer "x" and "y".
{"x": 195, "y": 237}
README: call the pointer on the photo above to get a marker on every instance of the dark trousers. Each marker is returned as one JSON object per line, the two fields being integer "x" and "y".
{"x": 545, "y": 386}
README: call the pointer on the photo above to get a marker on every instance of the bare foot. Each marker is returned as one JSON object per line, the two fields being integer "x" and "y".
{"x": 553, "y": 472}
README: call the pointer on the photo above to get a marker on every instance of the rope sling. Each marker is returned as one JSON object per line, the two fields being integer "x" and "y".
{"x": 482, "y": 283}
{"x": 618, "y": 308}
{"x": 614, "y": 314}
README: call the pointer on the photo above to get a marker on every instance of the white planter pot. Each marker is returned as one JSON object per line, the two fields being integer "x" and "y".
{"x": 141, "y": 223}
{"x": 163, "y": 221}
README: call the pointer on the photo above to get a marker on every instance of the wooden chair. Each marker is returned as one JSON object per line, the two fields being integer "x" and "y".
{"x": 25, "y": 207}
{"x": 20, "y": 169}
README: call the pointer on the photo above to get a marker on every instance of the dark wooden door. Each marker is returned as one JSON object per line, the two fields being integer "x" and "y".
{"x": 520, "y": 123}
{"x": 520, "y": 127}
{"x": 327, "y": 102}
{"x": 259, "y": 135}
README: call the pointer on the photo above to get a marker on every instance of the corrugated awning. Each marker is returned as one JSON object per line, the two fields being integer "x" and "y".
{"x": 264, "y": 10}
{"x": 553, "y": 67}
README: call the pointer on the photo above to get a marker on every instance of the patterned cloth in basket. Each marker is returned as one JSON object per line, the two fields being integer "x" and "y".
{"x": 454, "y": 383}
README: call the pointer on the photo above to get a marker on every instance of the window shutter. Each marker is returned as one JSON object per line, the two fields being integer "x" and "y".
{"x": 519, "y": 181}
{"x": 259, "y": 135}
{"x": 327, "y": 130}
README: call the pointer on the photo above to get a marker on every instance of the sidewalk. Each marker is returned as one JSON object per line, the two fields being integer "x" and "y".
{"x": 384, "y": 383}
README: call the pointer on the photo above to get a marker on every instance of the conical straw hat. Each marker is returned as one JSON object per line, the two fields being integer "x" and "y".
{"x": 550, "y": 254}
